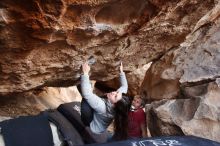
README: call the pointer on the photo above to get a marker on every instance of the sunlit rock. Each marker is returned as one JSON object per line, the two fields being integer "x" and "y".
{"x": 197, "y": 116}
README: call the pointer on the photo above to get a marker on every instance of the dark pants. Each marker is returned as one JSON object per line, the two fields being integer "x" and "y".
{"x": 86, "y": 112}
{"x": 70, "y": 111}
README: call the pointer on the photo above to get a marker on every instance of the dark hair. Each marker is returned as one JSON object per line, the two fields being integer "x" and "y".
{"x": 121, "y": 109}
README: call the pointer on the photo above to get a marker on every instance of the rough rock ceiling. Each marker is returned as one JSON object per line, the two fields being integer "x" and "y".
{"x": 44, "y": 42}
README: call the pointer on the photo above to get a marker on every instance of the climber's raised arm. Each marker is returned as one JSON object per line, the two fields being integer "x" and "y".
{"x": 123, "y": 81}
{"x": 93, "y": 100}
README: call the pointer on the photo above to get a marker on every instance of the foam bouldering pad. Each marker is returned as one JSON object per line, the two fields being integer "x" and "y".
{"x": 69, "y": 134}
{"x": 163, "y": 141}
{"x": 27, "y": 131}
{"x": 72, "y": 112}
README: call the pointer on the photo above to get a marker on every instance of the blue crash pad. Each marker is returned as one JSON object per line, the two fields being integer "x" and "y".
{"x": 163, "y": 141}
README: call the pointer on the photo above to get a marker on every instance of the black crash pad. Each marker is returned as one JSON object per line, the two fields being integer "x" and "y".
{"x": 27, "y": 131}
{"x": 163, "y": 141}
{"x": 72, "y": 112}
{"x": 69, "y": 134}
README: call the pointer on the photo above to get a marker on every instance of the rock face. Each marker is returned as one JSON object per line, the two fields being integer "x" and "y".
{"x": 198, "y": 115}
{"x": 43, "y": 42}
{"x": 195, "y": 61}
{"x": 189, "y": 75}
{"x": 134, "y": 79}
{"x": 33, "y": 102}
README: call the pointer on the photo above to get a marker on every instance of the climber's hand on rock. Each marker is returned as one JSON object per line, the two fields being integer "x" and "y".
{"x": 121, "y": 68}
{"x": 85, "y": 68}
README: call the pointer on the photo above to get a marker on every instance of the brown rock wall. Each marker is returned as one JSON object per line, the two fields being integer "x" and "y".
{"x": 188, "y": 74}
{"x": 44, "y": 42}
